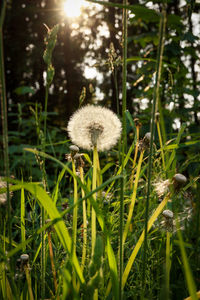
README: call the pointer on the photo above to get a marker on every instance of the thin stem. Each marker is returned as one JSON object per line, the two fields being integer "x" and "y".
{"x": 4, "y": 119}
{"x": 161, "y": 144}
{"x": 28, "y": 278}
{"x": 75, "y": 210}
{"x": 154, "y": 109}
{"x": 121, "y": 250}
{"x": 52, "y": 262}
{"x": 124, "y": 76}
{"x": 84, "y": 223}
{"x": 168, "y": 263}
{"x": 94, "y": 185}
{"x": 135, "y": 155}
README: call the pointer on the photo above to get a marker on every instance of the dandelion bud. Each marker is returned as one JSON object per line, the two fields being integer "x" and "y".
{"x": 180, "y": 178}
{"x": 178, "y": 181}
{"x": 168, "y": 214}
{"x": 24, "y": 259}
{"x": 137, "y": 122}
{"x": 157, "y": 116}
{"x": 168, "y": 222}
{"x": 73, "y": 149}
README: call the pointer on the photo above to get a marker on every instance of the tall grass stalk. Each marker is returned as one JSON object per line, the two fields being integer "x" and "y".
{"x": 161, "y": 143}
{"x": 4, "y": 119}
{"x": 135, "y": 154}
{"x": 84, "y": 250}
{"x": 168, "y": 263}
{"x": 52, "y": 261}
{"x": 154, "y": 109}
{"x": 28, "y": 279}
{"x": 75, "y": 216}
{"x": 124, "y": 76}
{"x": 22, "y": 219}
{"x": 50, "y": 40}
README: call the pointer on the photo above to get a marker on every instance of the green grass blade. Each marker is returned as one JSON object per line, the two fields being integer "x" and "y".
{"x": 141, "y": 239}
{"x": 23, "y": 219}
{"x": 173, "y": 154}
{"x": 188, "y": 273}
{"x": 63, "y": 234}
{"x": 113, "y": 270}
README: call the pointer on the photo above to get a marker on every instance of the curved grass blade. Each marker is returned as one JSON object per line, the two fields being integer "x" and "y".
{"x": 141, "y": 239}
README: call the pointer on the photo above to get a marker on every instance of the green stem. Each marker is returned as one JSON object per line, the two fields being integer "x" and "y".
{"x": 75, "y": 210}
{"x": 84, "y": 223}
{"x": 94, "y": 185}
{"x": 28, "y": 278}
{"x": 161, "y": 145}
{"x": 154, "y": 109}
{"x": 168, "y": 263}
{"x": 124, "y": 76}
{"x": 4, "y": 119}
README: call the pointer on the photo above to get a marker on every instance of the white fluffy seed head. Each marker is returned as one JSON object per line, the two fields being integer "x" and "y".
{"x": 161, "y": 187}
{"x": 94, "y": 126}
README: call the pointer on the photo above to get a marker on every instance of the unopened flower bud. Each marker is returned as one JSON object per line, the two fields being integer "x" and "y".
{"x": 180, "y": 178}
{"x": 24, "y": 258}
{"x": 73, "y": 149}
{"x": 157, "y": 117}
{"x": 168, "y": 214}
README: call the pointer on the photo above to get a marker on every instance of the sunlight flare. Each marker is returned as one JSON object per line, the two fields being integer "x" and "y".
{"x": 72, "y": 8}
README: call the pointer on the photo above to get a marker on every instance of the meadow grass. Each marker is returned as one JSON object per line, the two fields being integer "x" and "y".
{"x": 98, "y": 228}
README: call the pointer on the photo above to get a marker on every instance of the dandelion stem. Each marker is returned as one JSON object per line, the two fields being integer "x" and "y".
{"x": 94, "y": 185}
{"x": 75, "y": 215}
{"x": 28, "y": 278}
{"x": 168, "y": 263}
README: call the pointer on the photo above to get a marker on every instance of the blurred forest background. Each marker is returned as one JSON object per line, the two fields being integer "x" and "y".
{"x": 86, "y": 65}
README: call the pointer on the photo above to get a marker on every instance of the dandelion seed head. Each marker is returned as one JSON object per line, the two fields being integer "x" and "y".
{"x": 94, "y": 126}
{"x": 161, "y": 187}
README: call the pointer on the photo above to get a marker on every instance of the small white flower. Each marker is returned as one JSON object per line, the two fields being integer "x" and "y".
{"x": 94, "y": 126}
